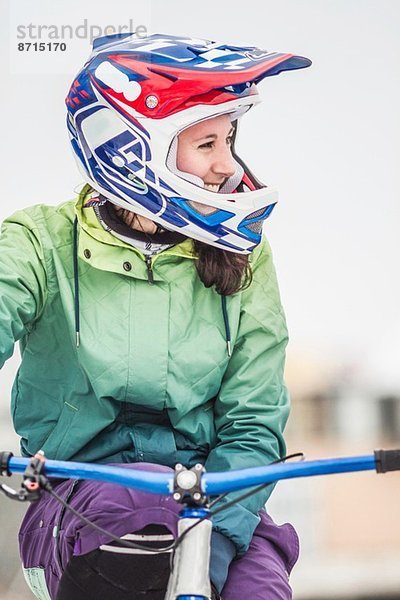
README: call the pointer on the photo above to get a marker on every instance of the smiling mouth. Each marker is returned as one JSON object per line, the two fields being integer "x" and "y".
{"x": 211, "y": 187}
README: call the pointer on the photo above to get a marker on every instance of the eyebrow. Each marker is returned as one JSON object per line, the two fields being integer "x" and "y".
{"x": 213, "y": 135}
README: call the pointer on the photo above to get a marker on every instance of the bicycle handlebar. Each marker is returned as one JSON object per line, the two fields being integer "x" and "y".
{"x": 213, "y": 484}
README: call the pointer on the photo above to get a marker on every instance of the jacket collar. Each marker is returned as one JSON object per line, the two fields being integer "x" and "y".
{"x": 89, "y": 223}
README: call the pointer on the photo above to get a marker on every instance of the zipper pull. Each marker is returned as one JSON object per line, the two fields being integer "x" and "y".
{"x": 149, "y": 270}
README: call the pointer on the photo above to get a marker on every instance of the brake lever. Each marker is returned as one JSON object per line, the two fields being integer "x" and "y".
{"x": 34, "y": 479}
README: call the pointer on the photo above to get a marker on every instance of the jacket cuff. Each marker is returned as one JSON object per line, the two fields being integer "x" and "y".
{"x": 236, "y": 523}
{"x": 223, "y": 551}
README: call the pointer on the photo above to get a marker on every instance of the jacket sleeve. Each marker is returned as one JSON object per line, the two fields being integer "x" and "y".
{"x": 252, "y": 406}
{"x": 22, "y": 281}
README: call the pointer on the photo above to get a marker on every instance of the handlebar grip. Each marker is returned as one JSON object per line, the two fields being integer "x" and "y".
{"x": 387, "y": 460}
{"x": 4, "y": 460}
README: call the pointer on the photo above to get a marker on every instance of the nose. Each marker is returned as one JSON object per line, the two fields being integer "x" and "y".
{"x": 224, "y": 164}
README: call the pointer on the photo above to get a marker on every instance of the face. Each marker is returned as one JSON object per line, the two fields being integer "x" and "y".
{"x": 204, "y": 150}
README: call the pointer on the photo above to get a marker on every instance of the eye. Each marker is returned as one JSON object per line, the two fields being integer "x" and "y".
{"x": 206, "y": 145}
{"x": 230, "y": 140}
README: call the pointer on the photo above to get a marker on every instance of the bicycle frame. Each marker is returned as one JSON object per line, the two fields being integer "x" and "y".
{"x": 185, "y": 582}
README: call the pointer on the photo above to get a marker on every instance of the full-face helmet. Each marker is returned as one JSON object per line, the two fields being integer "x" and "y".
{"x": 126, "y": 108}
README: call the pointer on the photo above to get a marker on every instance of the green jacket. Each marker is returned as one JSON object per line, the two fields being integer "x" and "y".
{"x": 151, "y": 379}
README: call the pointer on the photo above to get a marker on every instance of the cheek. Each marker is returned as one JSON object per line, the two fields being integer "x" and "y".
{"x": 192, "y": 161}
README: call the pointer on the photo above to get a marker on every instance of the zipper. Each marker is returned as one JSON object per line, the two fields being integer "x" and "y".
{"x": 150, "y": 277}
{"x": 57, "y": 528}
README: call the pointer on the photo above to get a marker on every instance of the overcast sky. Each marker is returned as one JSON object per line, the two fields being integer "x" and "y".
{"x": 327, "y": 136}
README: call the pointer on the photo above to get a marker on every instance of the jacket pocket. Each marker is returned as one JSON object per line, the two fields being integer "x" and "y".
{"x": 58, "y": 442}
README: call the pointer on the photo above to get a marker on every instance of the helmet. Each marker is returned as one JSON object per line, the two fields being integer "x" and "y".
{"x": 126, "y": 108}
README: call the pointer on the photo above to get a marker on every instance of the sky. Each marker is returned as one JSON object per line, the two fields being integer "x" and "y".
{"x": 327, "y": 137}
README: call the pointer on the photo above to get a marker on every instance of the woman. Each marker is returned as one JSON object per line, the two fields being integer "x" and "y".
{"x": 149, "y": 318}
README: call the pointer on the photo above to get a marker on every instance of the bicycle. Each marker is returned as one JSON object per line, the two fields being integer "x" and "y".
{"x": 191, "y": 487}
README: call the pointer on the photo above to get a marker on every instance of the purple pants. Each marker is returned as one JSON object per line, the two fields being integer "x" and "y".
{"x": 49, "y": 536}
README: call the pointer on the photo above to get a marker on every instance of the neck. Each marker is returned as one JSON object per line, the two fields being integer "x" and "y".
{"x": 135, "y": 221}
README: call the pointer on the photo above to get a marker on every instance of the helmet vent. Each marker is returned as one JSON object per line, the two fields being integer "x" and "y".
{"x": 237, "y": 88}
{"x": 166, "y": 75}
{"x": 255, "y": 227}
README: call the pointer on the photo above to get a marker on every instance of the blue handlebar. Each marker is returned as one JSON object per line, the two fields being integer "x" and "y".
{"x": 213, "y": 484}
{"x": 146, "y": 481}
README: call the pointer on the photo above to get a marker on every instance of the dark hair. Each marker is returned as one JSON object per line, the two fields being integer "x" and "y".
{"x": 228, "y": 271}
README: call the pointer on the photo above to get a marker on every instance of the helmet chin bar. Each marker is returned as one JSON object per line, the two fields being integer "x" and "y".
{"x": 203, "y": 209}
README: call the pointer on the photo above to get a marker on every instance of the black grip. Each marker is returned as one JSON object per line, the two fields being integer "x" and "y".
{"x": 387, "y": 460}
{"x": 4, "y": 460}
